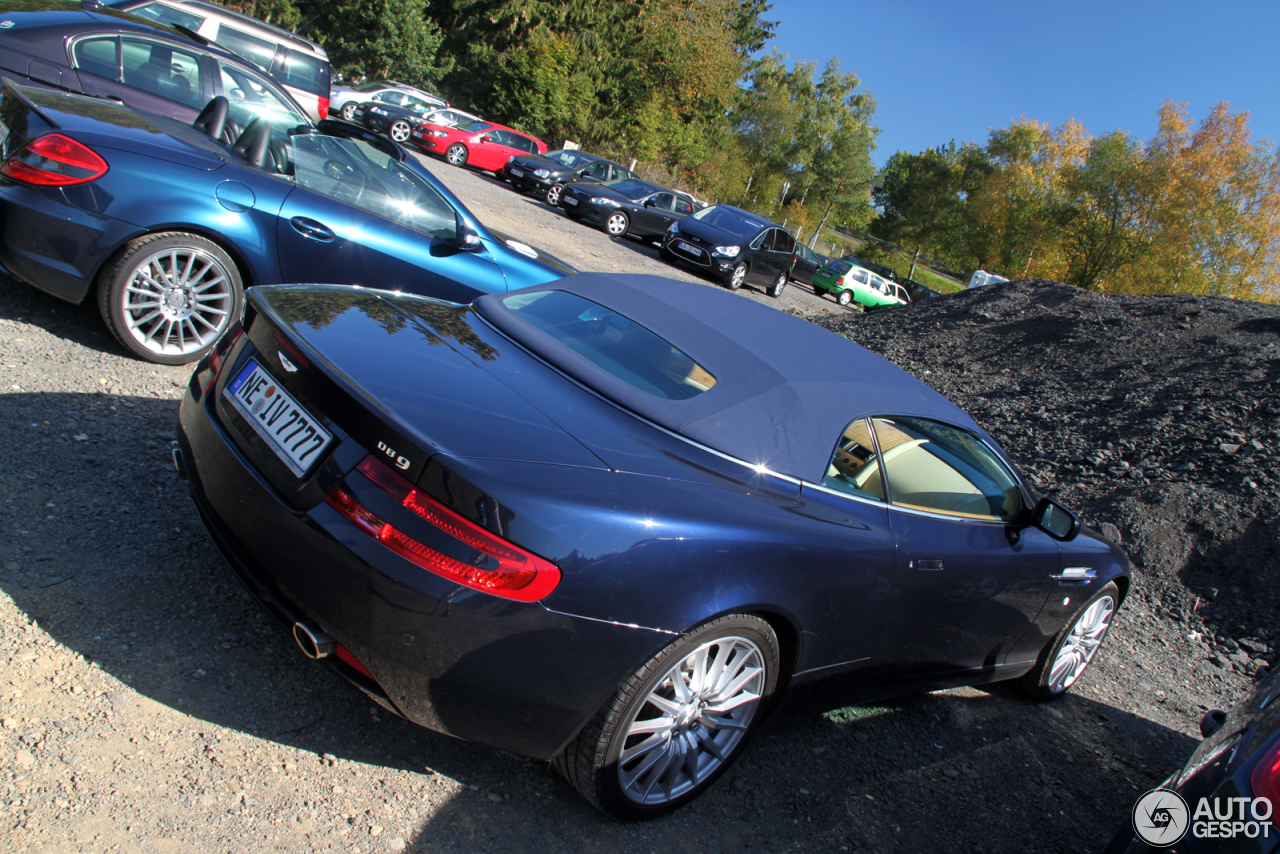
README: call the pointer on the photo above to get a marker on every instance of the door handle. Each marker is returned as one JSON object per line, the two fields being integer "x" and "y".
{"x": 927, "y": 565}
{"x": 1076, "y": 573}
{"x": 312, "y": 229}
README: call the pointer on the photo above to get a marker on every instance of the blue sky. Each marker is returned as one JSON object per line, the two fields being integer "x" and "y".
{"x": 952, "y": 70}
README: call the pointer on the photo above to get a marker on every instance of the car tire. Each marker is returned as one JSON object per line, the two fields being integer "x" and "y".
{"x": 616, "y": 224}
{"x": 844, "y": 297}
{"x": 399, "y": 130}
{"x": 1065, "y": 658}
{"x": 737, "y": 277}
{"x": 779, "y": 285}
{"x": 457, "y": 154}
{"x": 552, "y": 196}
{"x": 635, "y": 761}
{"x": 190, "y": 282}
{"x": 348, "y": 111}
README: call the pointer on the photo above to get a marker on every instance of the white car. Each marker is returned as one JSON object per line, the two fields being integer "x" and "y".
{"x": 343, "y": 100}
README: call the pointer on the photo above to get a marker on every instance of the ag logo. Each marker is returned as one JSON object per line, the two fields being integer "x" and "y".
{"x": 1160, "y": 817}
{"x": 4, "y": 25}
{"x": 401, "y": 462}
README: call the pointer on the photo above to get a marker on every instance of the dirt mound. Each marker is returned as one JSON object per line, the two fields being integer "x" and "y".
{"x": 1157, "y": 414}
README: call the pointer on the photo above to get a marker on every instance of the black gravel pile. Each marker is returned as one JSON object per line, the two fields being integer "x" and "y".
{"x": 1156, "y": 417}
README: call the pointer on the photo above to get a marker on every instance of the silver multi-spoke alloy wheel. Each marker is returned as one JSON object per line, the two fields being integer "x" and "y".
{"x": 677, "y": 724}
{"x": 399, "y": 131}
{"x": 1081, "y": 644}
{"x": 349, "y": 110}
{"x": 779, "y": 285}
{"x": 617, "y": 224}
{"x": 738, "y": 277}
{"x": 457, "y": 154}
{"x": 553, "y": 194}
{"x": 692, "y": 720}
{"x": 170, "y": 297}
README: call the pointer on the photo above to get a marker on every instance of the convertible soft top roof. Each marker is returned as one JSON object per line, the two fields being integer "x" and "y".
{"x": 785, "y": 389}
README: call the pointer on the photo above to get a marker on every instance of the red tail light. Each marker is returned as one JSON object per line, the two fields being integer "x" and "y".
{"x": 54, "y": 160}
{"x": 520, "y": 575}
{"x": 324, "y": 108}
{"x": 1265, "y": 780}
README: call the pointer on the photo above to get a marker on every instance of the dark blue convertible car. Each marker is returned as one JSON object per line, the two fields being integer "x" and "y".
{"x": 611, "y": 520}
{"x": 166, "y": 223}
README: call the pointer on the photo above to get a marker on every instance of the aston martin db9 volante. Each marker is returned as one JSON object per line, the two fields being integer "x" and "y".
{"x": 166, "y": 223}
{"x": 611, "y": 520}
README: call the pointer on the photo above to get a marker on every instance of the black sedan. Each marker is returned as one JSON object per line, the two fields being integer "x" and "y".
{"x": 734, "y": 247}
{"x": 626, "y": 207}
{"x": 608, "y": 521}
{"x": 806, "y": 263}
{"x": 547, "y": 174}
{"x": 1226, "y": 797}
{"x": 395, "y": 120}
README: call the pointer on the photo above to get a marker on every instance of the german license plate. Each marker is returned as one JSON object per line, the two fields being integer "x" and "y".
{"x": 570, "y": 200}
{"x": 688, "y": 248}
{"x": 291, "y": 431}
{"x": 517, "y": 173}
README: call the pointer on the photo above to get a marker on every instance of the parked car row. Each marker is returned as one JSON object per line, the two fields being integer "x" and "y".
{"x": 655, "y": 480}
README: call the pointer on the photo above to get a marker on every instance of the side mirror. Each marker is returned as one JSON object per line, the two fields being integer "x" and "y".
{"x": 486, "y": 139}
{"x": 468, "y": 238}
{"x": 650, "y": 203}
{"x": 1055, "y": 520}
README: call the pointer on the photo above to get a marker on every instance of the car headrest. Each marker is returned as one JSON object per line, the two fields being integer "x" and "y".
{"x": 213, "y": 118}
{"x": 253, "y": 143}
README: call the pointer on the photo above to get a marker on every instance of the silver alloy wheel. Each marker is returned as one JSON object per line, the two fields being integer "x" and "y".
{"x": 779, "y": 285}
{"x": 692, "y": 720}
{"x": 844, "y": 298}
{"x": 553, "y": 194}
{"x": 349, "y": 110}
{"x": 1080, "y": 645}
{"x": 457, "y": 154}
{"x": 177, "y": 301}
{"x": 399, "y": 131}
{"x": 616, "y": 224}
{"x": 738, "y": 277}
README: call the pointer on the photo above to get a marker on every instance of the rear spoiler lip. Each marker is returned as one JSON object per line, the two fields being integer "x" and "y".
{"x": 11, "y": 86}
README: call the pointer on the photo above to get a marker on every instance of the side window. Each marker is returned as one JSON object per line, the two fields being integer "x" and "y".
{"x": 250, "y": 98}
{"x": 860, "y": 276}
{"x": 782, "y": 241}
{"x": 683, "y": 206}
{"x": 100, "y": 56}
{"x": 854, "y": 467}
{"x": 523, "y": 143}
{"x": 389, "y": 97}
{"x": 598, "y": 170}
{"x": 258, "y": 51}
{"x": 168, "y": 15}
{"x": 762, "y": 239}
{"x": 498, "y": 137}
{"x": 933, "y": 466}
{"x": 663, "y": 201}
{"x": 161, "y": 69}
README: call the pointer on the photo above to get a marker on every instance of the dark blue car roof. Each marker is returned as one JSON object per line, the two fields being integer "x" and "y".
{"x": 785, "y": 389}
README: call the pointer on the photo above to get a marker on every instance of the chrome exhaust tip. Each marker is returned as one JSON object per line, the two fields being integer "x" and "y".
{"x": 179, "y": 464}
{"x": 313, "y": 641}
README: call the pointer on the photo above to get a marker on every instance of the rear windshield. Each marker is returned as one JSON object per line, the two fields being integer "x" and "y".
{"x": 733, "y": 221}
{"x": 631, "y": 189}
{"x": 839, "y": 267}
{"x": 614, "y": 343}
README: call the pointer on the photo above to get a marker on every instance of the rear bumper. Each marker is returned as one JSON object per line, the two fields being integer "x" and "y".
{"x": 52, "y": 244}
{"x": 511, "y": 675}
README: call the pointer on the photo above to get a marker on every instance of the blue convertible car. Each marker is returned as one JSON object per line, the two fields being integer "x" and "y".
{"x": 166, "y": 223}
{"x": 610, "y": 520}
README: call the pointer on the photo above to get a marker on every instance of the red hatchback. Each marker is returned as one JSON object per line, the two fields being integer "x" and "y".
{"x": 483, "y": 145}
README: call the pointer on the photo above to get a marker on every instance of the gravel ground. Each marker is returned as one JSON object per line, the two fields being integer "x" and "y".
{"x": 148, "y": 706}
